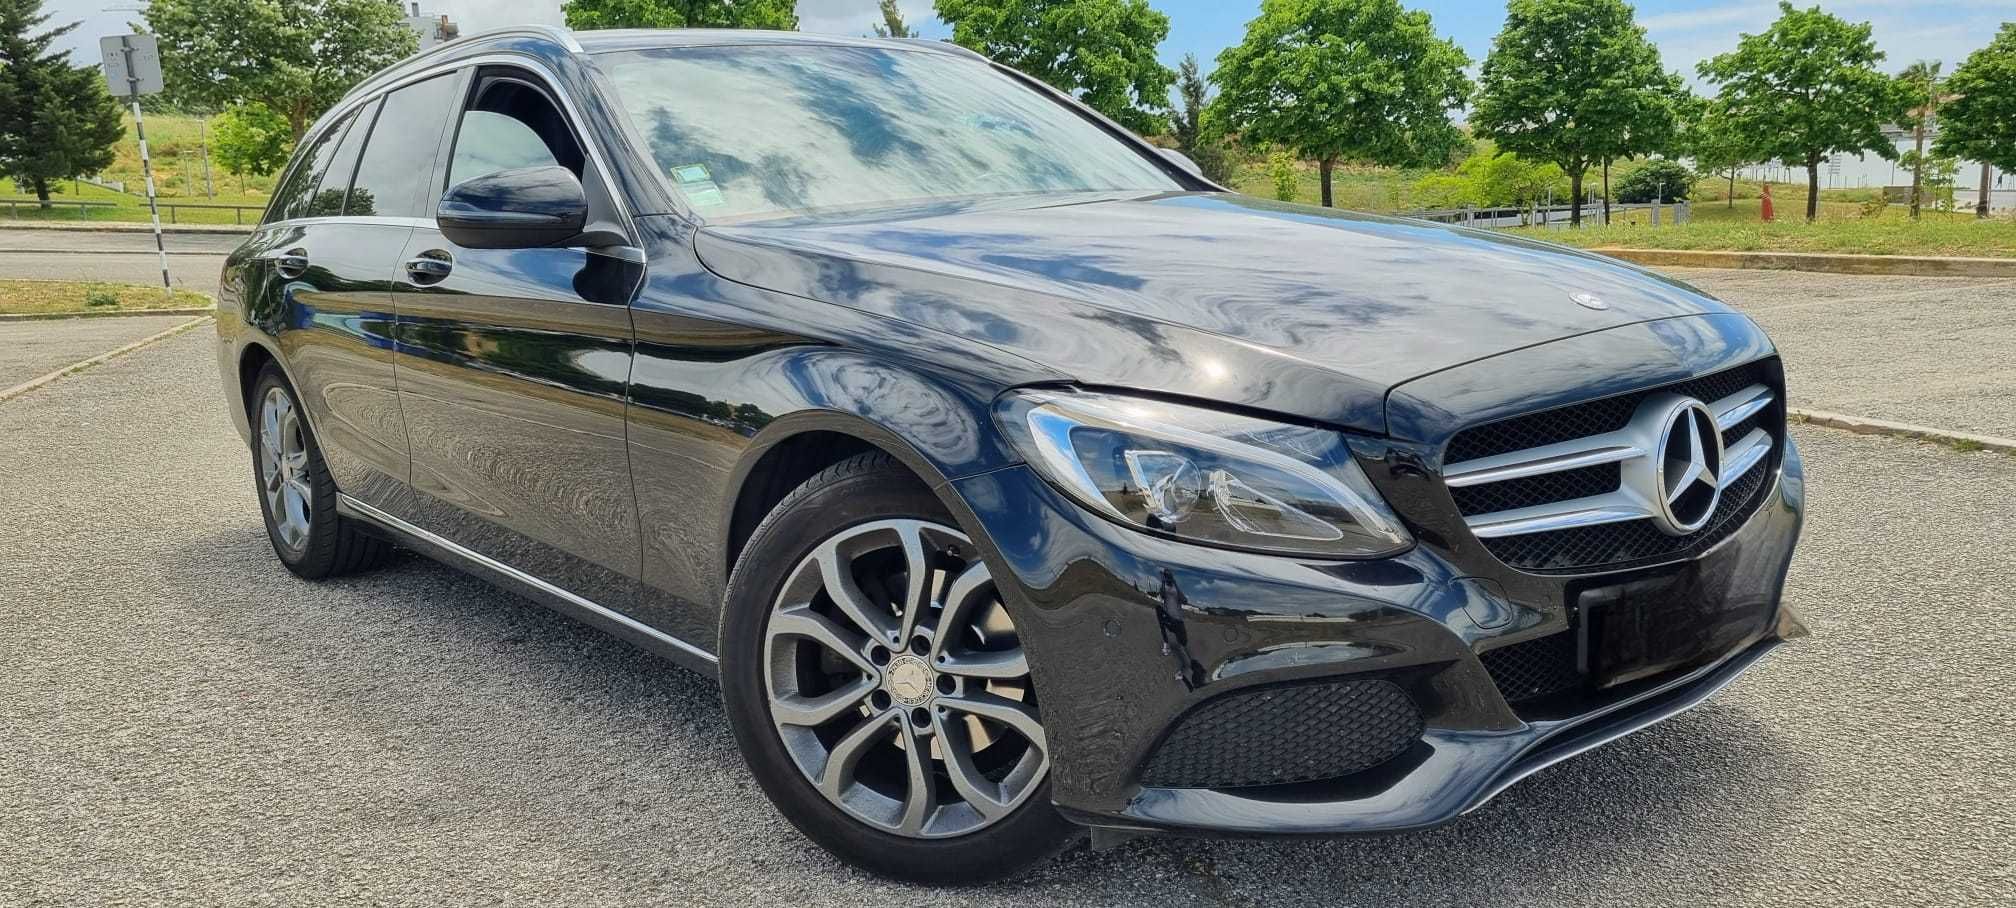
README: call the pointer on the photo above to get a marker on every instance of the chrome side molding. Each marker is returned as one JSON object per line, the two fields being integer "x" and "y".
{"x": 374, "y": 515}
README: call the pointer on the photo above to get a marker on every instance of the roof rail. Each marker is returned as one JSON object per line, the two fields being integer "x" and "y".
{"x": 553, "y": 33}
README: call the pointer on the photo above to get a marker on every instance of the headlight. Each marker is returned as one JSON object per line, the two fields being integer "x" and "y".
{"x": 1205, "y": 476}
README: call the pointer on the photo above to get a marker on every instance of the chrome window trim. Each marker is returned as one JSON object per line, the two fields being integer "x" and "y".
{"x": 377, "y": 516}
{"x": 551, "y": 84}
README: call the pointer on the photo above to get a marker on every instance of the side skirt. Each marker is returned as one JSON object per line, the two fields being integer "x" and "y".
{"x": 514, "y": 580}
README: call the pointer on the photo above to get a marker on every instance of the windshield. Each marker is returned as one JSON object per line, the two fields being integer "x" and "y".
{"x": 756, "y": 130}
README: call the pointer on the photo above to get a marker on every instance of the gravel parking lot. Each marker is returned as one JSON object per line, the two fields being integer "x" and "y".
{"x": 181, "y": 721}
{"x": 1932, "y": 351}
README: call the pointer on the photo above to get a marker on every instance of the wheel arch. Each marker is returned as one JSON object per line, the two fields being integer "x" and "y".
{"x": 794, "y": 448}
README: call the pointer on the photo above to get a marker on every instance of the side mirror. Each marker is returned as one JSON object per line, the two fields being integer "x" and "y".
{"x": 1183, "y": 160}
{"x": 514, "y": 209}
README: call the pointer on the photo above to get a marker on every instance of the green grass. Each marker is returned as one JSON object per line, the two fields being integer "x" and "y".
{"x": 57, "y": 297}
{"x": 176, "y": 144}
{"x": 1842, "y": 228}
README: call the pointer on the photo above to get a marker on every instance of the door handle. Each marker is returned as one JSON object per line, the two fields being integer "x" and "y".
{"x": 430, "y": 267}
{"x": 291, "y": 264}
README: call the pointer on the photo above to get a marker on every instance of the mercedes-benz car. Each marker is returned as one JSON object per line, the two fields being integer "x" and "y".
{"x": 1012, "y": 478}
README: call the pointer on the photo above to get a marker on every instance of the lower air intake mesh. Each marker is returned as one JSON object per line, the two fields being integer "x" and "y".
{"x": 1286, "y": 734}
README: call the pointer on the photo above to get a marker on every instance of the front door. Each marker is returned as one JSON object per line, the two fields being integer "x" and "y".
{"x": 512, "y": 365}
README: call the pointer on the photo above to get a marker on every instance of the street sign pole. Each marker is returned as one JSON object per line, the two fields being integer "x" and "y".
{"x": 138, "y": 64}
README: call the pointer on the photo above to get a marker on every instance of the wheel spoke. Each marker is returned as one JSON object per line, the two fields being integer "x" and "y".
{"x": 1018, "y": 716}
{"x": 921, "y": 797}
{"x": 801, "y": 622}
{"x": 1005, "y": 665}
{"x": 957, "y": 747}
{"x": 960, "y": 598}
{"x": 917, "y": 567}
{"x": 847, "y": 595}
{"x": 847, "y": 753}
{"x": 793, "y": 709}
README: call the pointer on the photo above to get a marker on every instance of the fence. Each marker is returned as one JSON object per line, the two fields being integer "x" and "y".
{"x": 1555, "y": 217}
{"x": 170, "y": 209}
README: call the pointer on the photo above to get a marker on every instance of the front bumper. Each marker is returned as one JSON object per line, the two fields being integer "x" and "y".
{"x": 1129, "y": 634}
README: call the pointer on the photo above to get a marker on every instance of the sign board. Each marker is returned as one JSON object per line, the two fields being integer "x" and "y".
{"x": 129, "y": 74}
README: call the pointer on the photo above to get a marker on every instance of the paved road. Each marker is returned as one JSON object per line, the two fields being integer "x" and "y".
{"x": 194, "y": 259}
{"x": 29, "y": 349}
{"x": 1930, "y": 351}
{"x": 182, "y": 721}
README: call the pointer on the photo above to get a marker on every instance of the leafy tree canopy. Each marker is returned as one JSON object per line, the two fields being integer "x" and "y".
{"x": 1805, "y": 88}
{"x": 1101, "y": 51}
{"x": 1361, "y": 80}
{"x": 1576, "y": 82}
{"x": 250, "y": 139}
{"x": 1660, "y": 179}
{"x": 1980, "y": 123}
{"x": 297, "y": 57}
{"x": 589, "y": 14}
{"x": 56, "y": 120}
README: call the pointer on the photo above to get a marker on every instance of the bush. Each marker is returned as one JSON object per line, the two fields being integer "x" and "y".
{"x": 100, "y": 298}
{"x": 1668, "y": 180}
{"x": 1287, "y": 179}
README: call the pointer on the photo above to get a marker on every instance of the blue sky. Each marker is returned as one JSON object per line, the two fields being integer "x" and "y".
{"x": 1686, "y": 31}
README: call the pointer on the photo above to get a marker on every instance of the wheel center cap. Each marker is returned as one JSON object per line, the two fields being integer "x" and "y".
{"x": 909, "y": 680}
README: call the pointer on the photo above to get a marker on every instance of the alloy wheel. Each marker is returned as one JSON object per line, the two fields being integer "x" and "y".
{"x": 899, "y": 685}
{"x": 283, "y": 469}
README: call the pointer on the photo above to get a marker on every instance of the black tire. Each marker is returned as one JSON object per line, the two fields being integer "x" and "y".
{"x": 334, "y": 545}
{"x": 865, "y": 488}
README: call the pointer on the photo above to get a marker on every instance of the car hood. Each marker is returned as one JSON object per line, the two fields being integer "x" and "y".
{"x": 1307, "y": 311}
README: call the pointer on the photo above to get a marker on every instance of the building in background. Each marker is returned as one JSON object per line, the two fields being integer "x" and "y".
{"x": 432, "y": 28}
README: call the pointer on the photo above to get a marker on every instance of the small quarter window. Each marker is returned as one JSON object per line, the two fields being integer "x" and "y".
{"x": 328, "y": 198}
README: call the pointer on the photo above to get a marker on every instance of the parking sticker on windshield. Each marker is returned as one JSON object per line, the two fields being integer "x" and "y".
{"x": 698, "y": 185}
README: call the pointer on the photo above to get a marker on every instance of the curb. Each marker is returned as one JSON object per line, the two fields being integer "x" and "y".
{"x": 1914, "y": 265}
{"x": 1863, "y": 425}
{"x": 117, "y": 227}
{"x": 33, "y": 383}
{"x": 104, "y": 313}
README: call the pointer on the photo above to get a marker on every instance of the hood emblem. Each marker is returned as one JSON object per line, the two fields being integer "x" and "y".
{"x": 1589, "y": 301}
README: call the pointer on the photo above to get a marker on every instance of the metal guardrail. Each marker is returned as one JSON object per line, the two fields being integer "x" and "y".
{"x": 84, "y": 208}
{"x": 1553, "y": 216}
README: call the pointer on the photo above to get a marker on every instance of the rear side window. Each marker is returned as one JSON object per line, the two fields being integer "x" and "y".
{"x": 328, "y": 199}
{"x": 398, "y": 163}
{"x": 511, "y": 124}
{"x": 291, "y": 199}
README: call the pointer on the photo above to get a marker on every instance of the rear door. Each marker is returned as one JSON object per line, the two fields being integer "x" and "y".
{"x": 326, "y": 277}
{"x": 513, "y": 365}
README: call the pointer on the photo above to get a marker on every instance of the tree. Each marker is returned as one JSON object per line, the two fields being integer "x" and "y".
{"x": 892, "y": 25}
{"x": 1923, "y": 91}
{"x": 1286, "y": 176}
{"x": 1939, "y": 172}
{"x": 1575, "y": 82}
{"x": 56, "y": 120}
{"x": 297, "y": 57}
{"x": 1658, "y": 180}
{"x": 1980, "y": 123}
{"x": 589, "y": 14}
{"x": 1101, "y": 51}
{"x": 1195, "y": 134}
{"x": 1716, "y": 145}
{"x": 1806, "y": 88}
{"x": 1344, "y": 79}
{"x": 250, "y": 139}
